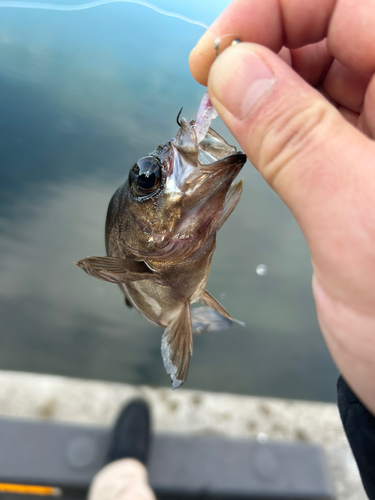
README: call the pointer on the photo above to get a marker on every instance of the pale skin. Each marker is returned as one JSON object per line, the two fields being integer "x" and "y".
{"x": 299, "y": 96}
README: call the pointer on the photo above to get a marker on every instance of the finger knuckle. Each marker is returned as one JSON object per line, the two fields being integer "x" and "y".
{"x": 290, "y": 136}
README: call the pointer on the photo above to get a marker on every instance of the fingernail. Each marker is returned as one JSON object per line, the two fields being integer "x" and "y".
{"x": 239, "y": 79}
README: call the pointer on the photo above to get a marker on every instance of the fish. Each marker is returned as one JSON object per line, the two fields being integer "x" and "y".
{"x": 161, "y": 231}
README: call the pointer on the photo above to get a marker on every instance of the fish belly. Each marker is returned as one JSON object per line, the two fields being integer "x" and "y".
{"x": 155, "y": 302}
{"x": 185, "y": 282}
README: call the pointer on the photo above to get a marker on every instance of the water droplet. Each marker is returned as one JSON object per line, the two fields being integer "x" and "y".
{"x": 261, "y": 270}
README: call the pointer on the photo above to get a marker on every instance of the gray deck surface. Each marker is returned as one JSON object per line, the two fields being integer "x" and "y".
{"x": 190, "y": 467}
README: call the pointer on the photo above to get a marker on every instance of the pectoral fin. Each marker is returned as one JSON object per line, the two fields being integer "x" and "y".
{"x": 211, "y": 318}
{"x": 116, "y": 270}
{"x": 177, "y": 347}
{"x": 232, "y": 198}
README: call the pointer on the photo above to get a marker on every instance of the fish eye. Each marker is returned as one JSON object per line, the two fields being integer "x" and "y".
{"x": 145, "y": 177}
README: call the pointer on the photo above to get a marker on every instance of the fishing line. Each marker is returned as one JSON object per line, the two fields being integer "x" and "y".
{"x": 90, "y": 5}
{"x": 22, "y": 4}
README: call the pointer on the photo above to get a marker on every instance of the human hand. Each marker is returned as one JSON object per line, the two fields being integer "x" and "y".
{"x": 316, "y": 152}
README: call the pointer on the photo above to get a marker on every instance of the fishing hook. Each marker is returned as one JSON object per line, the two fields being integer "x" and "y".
{"x": 178, "y": 118}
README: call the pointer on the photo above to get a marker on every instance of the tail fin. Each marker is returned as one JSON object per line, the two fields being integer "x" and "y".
{"x": 177, "y": 347}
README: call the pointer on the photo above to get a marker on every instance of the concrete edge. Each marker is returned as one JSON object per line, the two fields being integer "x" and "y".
{"x": 63, "y": 399}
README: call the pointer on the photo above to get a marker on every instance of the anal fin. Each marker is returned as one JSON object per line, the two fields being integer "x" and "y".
{"x": 211, "y": 318}
{"x": 177, "y": 347}
{"x": 128, "y": 302}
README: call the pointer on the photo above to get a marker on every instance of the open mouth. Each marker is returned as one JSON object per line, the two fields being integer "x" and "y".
{"x": 210, "y": 181}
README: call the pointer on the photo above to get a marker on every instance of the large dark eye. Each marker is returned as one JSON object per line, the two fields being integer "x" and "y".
{"x": 145, "y": 177}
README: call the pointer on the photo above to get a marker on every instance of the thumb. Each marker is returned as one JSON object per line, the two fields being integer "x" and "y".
{"x": 316, "y": 161}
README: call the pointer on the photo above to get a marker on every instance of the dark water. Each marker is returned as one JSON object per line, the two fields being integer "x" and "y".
{"x": 83, "y": 95}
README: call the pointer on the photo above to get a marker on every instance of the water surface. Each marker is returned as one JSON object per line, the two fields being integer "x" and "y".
{"x": 83, "y": 95}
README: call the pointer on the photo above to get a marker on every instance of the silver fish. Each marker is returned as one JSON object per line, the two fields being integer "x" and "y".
{"x": 161, "y": 234}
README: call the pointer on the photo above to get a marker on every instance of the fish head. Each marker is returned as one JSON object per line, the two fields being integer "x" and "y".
{"x": 174, "y": 198}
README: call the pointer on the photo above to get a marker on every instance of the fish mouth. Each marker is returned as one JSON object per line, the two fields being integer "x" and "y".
{"x": 200, "y": 178}
{"x": 197, "y": 169}
{"x": 210, "y": 149}
{"x": 210, "y": 182}
{"x": 206, "y": 198}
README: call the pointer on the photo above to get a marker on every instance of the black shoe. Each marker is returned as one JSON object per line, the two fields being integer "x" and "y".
{"x": 131, "y": 435}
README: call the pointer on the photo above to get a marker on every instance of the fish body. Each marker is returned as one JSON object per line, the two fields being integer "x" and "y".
{"x": 161, "y": 234}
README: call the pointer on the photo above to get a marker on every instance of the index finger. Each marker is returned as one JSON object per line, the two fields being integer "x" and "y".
{"x": 267, "y": 22}
{"x": 347, "y": 24}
